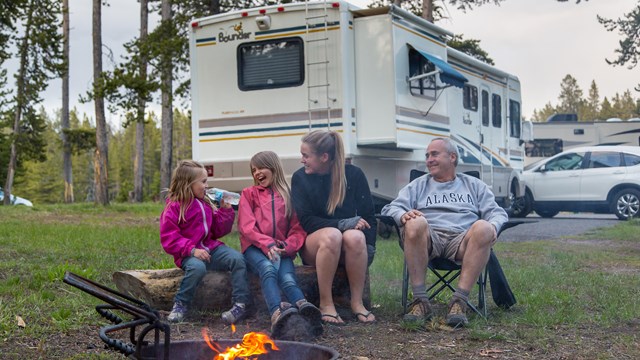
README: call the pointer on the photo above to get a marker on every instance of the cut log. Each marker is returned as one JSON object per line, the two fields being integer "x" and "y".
{"x": 157, "y": 288}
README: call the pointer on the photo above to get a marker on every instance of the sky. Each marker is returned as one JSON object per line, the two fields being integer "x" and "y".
{"x": 539, "y": 41}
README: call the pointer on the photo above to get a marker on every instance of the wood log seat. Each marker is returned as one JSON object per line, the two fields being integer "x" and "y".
{"x": 158, "y": 287}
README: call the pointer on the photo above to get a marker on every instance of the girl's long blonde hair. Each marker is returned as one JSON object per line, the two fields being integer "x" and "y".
{"x": 184, "y": 175}
{"x": 330, "y": 142}
{"x": 270, "y": 160}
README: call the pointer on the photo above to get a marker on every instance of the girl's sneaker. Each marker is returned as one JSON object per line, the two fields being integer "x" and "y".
{"x": 178, "y": 312}
{"x": 235, "y": 314}
{"x": 279, "y": 316}
{"x": 312, "y": 314}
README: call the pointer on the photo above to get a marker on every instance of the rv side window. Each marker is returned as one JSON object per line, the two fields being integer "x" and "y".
{"x": 419, "y": 65}
{"x": 485, "y": 108}
{"x": 514, "y": 119}
{"x": 470, "y": 97}
{"x": 496, "y": 110}
{"x": 271, "y": 64}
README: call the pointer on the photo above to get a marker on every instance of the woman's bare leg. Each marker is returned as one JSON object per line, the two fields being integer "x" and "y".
{"x": 354, "y": 249}
{"x": 322, "y": 250}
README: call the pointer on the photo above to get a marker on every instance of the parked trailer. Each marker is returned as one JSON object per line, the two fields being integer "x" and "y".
{"x": 555, "y": 137}
{"x": 385, "y": 79}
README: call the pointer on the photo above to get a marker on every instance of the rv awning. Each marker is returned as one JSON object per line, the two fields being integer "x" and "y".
{"x": 448, "y": 74}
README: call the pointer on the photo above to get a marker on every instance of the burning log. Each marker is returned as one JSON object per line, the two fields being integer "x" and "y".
{"x": 158, "y": 287}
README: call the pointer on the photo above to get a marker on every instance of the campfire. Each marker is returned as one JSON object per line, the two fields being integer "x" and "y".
{"x": 254, "y": 345}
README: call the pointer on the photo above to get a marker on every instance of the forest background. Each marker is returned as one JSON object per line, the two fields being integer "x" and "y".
{"x": 65, "y": 156}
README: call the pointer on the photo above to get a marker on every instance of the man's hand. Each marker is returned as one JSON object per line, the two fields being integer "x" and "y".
{"x": 411, "y": 214}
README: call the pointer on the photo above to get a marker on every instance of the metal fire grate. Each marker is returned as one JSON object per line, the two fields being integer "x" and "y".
{"x": 143, "y": 316}
{"x": 147, "y": 318}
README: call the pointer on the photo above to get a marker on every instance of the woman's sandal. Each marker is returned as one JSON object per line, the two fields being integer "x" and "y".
{"x": 365, "y": 316}
{"x": 338, "y": 320}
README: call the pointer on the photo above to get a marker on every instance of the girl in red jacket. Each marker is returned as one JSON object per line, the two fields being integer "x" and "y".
{"x": 270, "y": 237}
{"x": 190, "y": 226}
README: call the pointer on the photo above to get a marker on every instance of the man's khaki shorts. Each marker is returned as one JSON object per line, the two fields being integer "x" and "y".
{"x": 445, "y": 243}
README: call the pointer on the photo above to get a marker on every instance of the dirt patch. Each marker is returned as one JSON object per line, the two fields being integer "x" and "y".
{"x": 386, "y": 339}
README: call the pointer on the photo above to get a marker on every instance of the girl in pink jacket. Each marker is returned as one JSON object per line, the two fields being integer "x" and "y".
{"x": 190, "y": 226}
{"x": 270, "y": 237}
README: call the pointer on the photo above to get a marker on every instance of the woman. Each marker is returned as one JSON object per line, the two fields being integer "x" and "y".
{"x": 334, "y": 205}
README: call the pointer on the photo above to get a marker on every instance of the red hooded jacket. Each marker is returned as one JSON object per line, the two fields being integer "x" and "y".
{"x": 262, "y": 222}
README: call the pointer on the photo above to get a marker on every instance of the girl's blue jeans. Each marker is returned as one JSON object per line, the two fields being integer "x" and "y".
{"x": 273, "y": 280}
{"x": 223, "y": 258}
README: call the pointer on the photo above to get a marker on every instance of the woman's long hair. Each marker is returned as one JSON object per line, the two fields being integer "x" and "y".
{"x": 270, "y": 160}
{"x": 184, "y": 175}
{"x": 330, "y": 142}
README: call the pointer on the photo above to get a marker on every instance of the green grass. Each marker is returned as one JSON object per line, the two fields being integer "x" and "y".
{"x": 585, "y": 282}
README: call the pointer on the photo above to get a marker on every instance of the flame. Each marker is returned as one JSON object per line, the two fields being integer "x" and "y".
{"x": 253, "y": 343}
{"x": 233, "y": 328}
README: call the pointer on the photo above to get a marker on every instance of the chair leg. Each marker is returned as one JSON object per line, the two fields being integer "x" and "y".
{"x": 445, "y": 281}
{"x": 405, "y": 287}
{"x": 482, "y": 302}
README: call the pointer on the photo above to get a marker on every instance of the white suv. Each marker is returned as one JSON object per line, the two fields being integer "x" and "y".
{"x": 601, "y": 179}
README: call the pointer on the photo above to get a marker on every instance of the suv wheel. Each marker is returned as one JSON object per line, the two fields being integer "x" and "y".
{"x": 626, "y": 204}
{"x": 547, "y": 213}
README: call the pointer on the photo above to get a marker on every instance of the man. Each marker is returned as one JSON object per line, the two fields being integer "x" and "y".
{"x": 448, "y": 215}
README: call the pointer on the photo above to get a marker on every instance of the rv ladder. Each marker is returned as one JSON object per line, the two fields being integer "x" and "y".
{"x": 317, "y": 59}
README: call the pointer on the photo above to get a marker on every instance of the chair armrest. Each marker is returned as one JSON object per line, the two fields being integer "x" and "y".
{"x": 509, "y": 224}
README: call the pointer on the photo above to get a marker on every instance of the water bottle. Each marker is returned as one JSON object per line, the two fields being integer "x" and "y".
{"x": 228, "y": 196}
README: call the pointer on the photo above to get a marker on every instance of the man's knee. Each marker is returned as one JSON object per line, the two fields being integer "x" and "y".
{"x": 482, "y": 232}
{"x": 416, "y": 230}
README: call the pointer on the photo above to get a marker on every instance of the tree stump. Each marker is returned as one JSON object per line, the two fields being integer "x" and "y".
{"x": 157, "y": 288}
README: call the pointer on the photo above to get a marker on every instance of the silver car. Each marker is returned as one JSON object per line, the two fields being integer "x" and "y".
{"x": 600, "y": 179}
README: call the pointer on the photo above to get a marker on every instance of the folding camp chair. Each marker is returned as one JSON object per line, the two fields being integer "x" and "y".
{"x": 447, "y": 271}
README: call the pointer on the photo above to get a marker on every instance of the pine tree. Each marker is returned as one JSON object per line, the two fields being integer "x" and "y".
{"x": 570, "y": 96}
{"x": 429, "y": 9}
{"x": 544, "y": 113}
{"x": 592, "y": 104}
{"x": 629, "y": 28}
{"x": 627, "y": 107}
{"x": 66, "y": 151}
{"x": 606, "y": 110}
{"x": 129, "y": 89}
{"x": 101, "y": 154}
{"x": 39, "y": 59}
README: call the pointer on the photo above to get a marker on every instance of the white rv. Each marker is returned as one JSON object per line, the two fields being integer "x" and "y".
{"x": 552, "y": 138}
{"x": 385, "y": 79}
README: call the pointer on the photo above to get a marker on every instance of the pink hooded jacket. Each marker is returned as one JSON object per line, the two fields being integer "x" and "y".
{"x": 262, "y": 222}
{"x": 178, "y": 239}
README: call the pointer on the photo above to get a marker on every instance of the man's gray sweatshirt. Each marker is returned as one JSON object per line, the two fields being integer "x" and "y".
{"x": 454, "y": 205}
